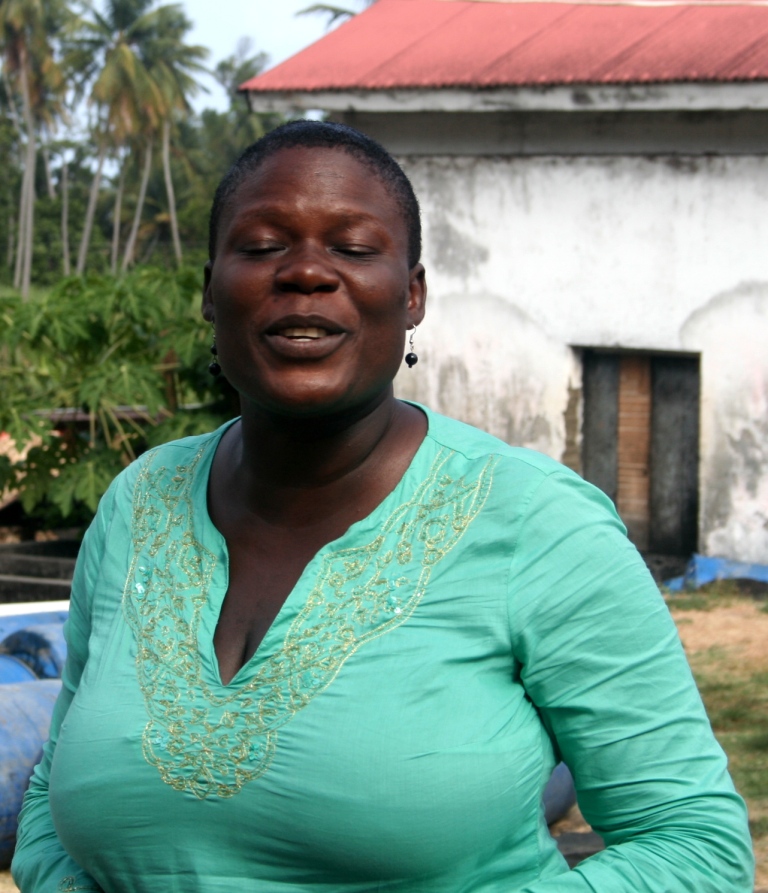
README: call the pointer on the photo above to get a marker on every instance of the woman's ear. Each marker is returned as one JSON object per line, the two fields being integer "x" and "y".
{"x": 207, "y": 305}
{"x": 417, "y": 295}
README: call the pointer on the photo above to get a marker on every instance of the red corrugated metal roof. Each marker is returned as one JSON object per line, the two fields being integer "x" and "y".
{"x": 456, "y": 43}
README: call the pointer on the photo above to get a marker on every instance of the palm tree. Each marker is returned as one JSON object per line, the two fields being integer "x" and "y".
{"x": 116, "y": 218}
{"x": 29, "y": 64}
{"x": 239, "y": 67}
{"x": 65, "y": 217}
{"x": 334, "y": 13}
{"x": 172, "y": 64}
{"x": 127, "y": 102}
{"x": 147, "y": 145}
{"x": 141, "y": 73}
{"x": 22, "y": 24}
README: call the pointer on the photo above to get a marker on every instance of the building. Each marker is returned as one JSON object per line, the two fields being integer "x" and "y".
{"x": 594, "y": 185}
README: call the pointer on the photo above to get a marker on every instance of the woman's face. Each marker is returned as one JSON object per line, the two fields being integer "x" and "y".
{"x": 310, "y": 289}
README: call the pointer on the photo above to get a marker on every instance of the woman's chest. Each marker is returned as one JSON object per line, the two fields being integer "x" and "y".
{"x": 381, "y": 708}
{"x": 382, "y": 756}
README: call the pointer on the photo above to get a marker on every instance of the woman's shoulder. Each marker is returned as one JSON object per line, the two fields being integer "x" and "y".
{"x": 523, "y": 478}
{"x": 476, "y": 444}
{"x": 166, "y": 460}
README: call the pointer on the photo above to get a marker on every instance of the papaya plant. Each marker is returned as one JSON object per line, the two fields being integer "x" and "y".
{"x": 96, "y": 370}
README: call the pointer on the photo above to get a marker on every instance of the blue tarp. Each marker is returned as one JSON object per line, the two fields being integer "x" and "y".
{"x": 702, "y": 569}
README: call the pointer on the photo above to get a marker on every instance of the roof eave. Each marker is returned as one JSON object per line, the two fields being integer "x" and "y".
{"x": 660, "y": 96}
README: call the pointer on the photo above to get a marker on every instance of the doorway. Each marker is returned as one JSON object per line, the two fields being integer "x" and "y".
{"x": 640, "y": 443}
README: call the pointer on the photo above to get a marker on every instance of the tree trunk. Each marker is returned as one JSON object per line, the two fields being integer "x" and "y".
{"x": 26, "y": 228}
{"x": 11, "y": 242}
{"x": 65, "y": 218}
{"x": 29, "y": 234}
{"x": 116, "y": 220}
{"x": 90, "y": 212}
{"x": 130, "y": 246}
{"x": 169, "y": 190}
{"x": 150, "y": 249}
{"x": 17, "y": 267}
{"x": 48, "y": 178}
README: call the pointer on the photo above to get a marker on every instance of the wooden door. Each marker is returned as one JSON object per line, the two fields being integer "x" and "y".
{"x": 640, "y": 444}
{"x": 674, "y": 459}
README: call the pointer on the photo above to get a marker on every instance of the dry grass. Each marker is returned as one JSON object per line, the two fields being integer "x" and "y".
{"x": 725, "y": 635}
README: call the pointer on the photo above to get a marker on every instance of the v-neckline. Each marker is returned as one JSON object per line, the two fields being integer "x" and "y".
{"x": 217, "y": 594}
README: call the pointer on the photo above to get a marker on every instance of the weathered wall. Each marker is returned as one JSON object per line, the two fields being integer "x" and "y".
{"x": 528, "y": 257}
{"x": 465, "y": 370}
{"x": 731, "y": 332}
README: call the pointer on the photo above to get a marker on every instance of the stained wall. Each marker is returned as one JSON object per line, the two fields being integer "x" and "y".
{"x": 530, "y": 257}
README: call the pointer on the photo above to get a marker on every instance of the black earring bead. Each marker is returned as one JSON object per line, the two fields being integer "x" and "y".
{"x": 411, "y": 359}
{"x": 213, "y": 366}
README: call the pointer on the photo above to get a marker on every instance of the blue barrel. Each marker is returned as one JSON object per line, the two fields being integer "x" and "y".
{"x": 37, "y": 614}
{"x": 559, "y": 794}
{"x": 14, "y": 670}
{"x": 40, "y": 646}
{"x": 25, "y": 716}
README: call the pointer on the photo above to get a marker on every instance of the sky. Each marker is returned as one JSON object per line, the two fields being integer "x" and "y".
{"x": 271, "y": 24}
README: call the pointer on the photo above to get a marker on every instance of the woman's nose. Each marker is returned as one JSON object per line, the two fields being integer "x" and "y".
{"x": 307, "y": 269}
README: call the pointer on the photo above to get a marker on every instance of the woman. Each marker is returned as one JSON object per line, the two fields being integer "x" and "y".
{"x": 340, "y": 643}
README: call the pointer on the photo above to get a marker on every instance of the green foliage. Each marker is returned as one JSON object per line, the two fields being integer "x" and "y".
{"x": 95, "y": 371}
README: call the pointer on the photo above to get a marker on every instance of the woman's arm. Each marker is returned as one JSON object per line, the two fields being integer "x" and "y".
{"x": 601, "y": 660}
{"x": 40, "y": 863}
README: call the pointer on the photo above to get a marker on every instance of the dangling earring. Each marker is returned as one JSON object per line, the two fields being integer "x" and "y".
{"x": 213, "y": 366}
{"x": 410, "y": 358}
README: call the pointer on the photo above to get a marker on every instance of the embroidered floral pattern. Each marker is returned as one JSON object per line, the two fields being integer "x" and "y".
{"x": 212, "y": 740}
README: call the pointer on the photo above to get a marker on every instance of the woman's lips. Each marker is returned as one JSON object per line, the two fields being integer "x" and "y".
{"x": 304, "y": 342}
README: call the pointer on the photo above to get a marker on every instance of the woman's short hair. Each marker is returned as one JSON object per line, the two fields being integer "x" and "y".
{"x": 325, "y": 135}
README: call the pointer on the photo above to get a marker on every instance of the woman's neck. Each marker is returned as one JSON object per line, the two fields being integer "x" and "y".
{"x": 297, "y": 472}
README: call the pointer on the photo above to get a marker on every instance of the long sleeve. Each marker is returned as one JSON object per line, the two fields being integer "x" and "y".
{"x": 40, "y": 863}
{"x": 600, "y": 657}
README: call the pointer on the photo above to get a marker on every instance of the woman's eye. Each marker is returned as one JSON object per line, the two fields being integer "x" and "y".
{"x": 355, "y": 250}
{"x": 259, "y": 250}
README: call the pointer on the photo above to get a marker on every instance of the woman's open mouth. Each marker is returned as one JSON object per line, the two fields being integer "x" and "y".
{"x": 303, "y": 342}
{"x": 309, "y": 333}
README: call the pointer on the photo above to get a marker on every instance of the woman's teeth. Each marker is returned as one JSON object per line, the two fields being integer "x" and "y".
{"x": 305, "y": 334}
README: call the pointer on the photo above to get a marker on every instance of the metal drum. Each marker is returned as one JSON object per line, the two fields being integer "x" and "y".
{"x": 40, "y": 646}
{"x": 25, "y": 716}
{"x": 12, "y": 669}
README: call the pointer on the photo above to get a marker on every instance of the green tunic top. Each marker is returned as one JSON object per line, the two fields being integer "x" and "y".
{"x": 397, "y": 724}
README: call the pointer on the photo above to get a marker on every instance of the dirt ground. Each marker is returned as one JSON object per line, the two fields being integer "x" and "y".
{"x": 737, "y": 632}
{"x": 740, "y": 628}
{"x": 734, "y": 639}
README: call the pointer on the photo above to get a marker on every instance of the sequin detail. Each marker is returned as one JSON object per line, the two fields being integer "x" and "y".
{"x": 208, "y": 739}
{"x": 69, "y": 884}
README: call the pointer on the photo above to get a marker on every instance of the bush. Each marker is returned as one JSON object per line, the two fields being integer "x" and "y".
{"x": 95, "y": 371}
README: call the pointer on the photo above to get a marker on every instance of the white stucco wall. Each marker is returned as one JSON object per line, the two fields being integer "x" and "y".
{"x": 527, "y": 256}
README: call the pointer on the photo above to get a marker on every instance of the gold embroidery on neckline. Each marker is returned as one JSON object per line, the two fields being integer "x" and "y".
{"x": 211, "y": 740}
